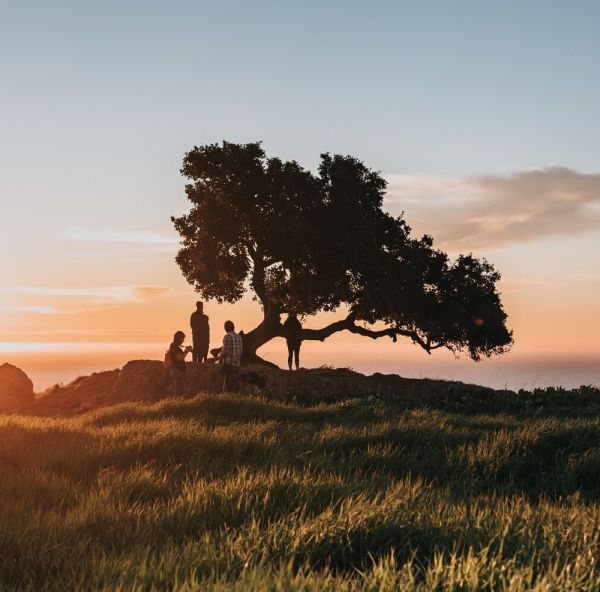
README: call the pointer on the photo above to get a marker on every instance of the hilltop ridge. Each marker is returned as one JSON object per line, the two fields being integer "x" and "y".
{"x": 149, "y": 381}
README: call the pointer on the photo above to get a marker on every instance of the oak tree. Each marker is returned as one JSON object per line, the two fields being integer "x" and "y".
{"x": 307, "y": 242}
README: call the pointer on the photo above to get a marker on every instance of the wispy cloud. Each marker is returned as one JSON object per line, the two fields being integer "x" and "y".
{"x": 130, "y": 252}
{"x": 42, "y": 310}
{"x": 489, "y": 211}
{"x": 516, "y": 285}
{"x": 117, "y": 236}
{"x": 87, "y": 332}
{"x": 98, "y": 295}
{"x": 428, "y": 189}
{"x": 78, "y": 347}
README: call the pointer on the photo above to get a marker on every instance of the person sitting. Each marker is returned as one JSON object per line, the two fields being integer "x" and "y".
{"x": 293, "y": 329}
{"x": 177, "y": 354}
{"x": 231, "y": 356}
{"x": 200, "y": 333}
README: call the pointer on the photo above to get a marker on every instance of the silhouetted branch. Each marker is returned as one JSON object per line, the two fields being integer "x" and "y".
{"x": 349, "y": 324}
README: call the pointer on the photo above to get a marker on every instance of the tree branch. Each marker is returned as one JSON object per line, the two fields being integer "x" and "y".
{"x": 437, "y": 346}
{"x": 323, "y": 333}
{"x": 349, "y": 324}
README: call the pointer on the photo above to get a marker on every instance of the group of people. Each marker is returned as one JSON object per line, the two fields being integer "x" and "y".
{"x": 230, "y": 354}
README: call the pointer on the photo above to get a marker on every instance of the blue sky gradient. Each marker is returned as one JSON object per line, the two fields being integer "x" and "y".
{"x": 100, "y": 100}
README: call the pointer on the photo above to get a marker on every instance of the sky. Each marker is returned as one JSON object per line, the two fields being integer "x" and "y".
{"x": 482, "y": 116}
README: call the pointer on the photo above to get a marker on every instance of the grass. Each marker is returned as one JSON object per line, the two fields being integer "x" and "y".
{"x": 239, "y": 493}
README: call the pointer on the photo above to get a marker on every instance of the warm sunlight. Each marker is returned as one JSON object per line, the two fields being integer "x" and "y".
{"x": 300, "y": 296}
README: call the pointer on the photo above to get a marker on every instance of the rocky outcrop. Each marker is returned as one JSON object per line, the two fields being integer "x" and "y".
{"x": 146, "y": 380}
{"x": 16, "y": 389}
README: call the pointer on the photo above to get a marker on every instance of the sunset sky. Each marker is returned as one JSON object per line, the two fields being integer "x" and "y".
{"x": 483, "y": 116}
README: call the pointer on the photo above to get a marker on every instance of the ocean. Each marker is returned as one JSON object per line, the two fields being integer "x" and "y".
{"x": 62, "y": 363}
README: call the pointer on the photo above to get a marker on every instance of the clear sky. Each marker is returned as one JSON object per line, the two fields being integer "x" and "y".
{"x": 484, "y": 117}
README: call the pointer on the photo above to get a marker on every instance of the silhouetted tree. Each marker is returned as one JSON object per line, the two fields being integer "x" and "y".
{"x": 307, "y": 243}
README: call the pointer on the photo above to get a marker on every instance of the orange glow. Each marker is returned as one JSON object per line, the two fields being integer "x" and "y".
{"x": 542, "y": 320}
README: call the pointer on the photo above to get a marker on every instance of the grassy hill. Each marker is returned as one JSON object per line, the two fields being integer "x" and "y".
{"x": 246, "y": 493}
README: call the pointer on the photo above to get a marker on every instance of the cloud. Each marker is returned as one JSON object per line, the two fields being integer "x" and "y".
{"x": 98, "y": 295}
{"x": 417, "y": 189}
{"x": 78, "y": 347}
{"x": 111, "y": 243}
{"x": 89, "y": 332}
{"x": 129, "y": 252}
{"x": 43, "y": 310}
{"x": 517, "y": 285}
{"x": 490, "y": 211}
{"x": 145, "y": 292}
{"x": 115, "y": 236}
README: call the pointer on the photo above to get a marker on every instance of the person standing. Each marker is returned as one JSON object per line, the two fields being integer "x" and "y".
{"x": 177, "y": 360}
{"x": 293, "y": 328}
{"x": 231, "y": 355}
{"x": 200, "y": 333}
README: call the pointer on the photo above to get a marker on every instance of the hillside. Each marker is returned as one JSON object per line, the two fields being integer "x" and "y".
{"x": 248, "y": 492}
{"x": 148, "y": 381}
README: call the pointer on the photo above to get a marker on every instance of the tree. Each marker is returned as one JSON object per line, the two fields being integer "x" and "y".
{"x": 305, "y": 242}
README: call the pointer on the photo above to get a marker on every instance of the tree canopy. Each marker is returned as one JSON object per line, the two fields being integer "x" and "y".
{"x": 306, "y": 242}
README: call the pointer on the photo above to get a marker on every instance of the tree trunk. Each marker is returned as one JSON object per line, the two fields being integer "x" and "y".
{"x": 267, "y": 330}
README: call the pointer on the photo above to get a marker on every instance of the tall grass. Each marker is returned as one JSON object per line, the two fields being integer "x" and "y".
{"x": 241, "y": 493}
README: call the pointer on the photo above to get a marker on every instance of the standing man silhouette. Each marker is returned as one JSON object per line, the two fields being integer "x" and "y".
{"x": 200, "y": 333}
{"x": 293, "y": 328}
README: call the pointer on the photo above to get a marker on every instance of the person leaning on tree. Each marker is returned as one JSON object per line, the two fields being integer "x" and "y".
{"x": 200, "y": 333}
{"x": 231, "y": 356}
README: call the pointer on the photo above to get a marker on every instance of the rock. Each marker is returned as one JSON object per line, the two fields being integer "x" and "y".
{"x": 141, "y": 380}
{"x": 16, "y": 389}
